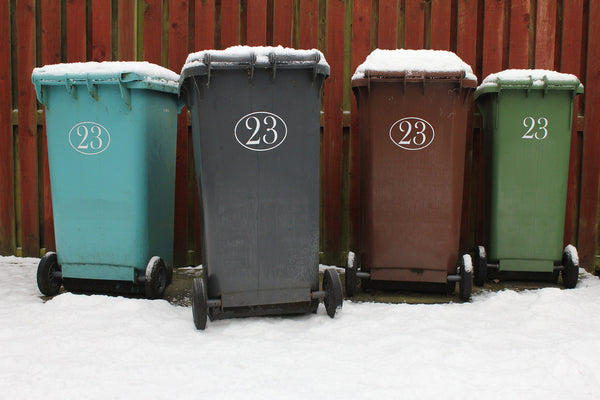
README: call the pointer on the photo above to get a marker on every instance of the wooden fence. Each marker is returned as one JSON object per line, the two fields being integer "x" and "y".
{"x": 490, "y": 35}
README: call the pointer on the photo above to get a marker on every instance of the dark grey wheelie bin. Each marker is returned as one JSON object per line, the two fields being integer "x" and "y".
{"x": 256, "y": 137}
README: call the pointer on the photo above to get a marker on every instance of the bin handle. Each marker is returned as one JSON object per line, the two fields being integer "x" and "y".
{"x": 124, "y": 92}
{"x": 69, "y": 85}
{"x": 92, "y": 89}
{"x": 207, "y": 60}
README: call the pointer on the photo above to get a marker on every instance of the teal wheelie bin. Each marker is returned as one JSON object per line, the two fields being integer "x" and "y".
{"x": 527, "y": 120}
{"x": 111, "y": 131}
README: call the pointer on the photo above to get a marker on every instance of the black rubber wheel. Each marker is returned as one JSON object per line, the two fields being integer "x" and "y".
{"x": 570, "y": 262}
{"x": 451, "y": 287}
{"x": 314, "y": 305}
{"x": 199, "y": 303}
{"x": 350, "y": 276}
{"x": 333, "y": 286}
{"x": 480, "y": 266}
{"x": 465, "y": 287}
{"x": 48, "y": 279}
{"x": 156, "y": 278}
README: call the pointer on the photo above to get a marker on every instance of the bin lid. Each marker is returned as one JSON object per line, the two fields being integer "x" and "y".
{"x": 413, "y": 65}
{"x": 251, "y": 57}
{"x": 536, "y": 79}
{"x": 130, "y": 74}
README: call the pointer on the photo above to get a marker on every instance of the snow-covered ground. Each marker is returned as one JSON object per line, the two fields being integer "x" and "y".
{"x": 532, "y": 344}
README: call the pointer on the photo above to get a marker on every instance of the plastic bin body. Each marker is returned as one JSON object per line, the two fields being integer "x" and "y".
{"x": 527, "y": 136}
{"x": 412, "y": 144}
{"x": 111, "y": 152}
{"x": 259, "y": 195}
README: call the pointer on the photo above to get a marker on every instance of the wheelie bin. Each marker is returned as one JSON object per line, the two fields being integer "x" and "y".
{"x": 256, "y": 135}
{"x": 413, "y": 110}
{"x": 527, "y": 118}
{"x": 111, "y": 130}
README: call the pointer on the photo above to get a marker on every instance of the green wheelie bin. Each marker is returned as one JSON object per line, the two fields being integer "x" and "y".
{"x": 112, "y": 133}
{"x": 527, "y": 119}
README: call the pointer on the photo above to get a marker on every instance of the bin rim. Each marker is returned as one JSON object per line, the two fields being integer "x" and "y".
{"x": 529, "y": 79}
{"x": 128, "y": 74}
{"x": 411, "y": 77}
{"x": 252, "y": 57}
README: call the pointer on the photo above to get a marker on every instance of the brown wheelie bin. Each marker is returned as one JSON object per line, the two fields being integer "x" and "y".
{"x": 413, "y": 110}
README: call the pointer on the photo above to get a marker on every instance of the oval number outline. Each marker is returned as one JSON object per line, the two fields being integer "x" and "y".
{"x": 278, "y": 124}
{"x": 421, "y": 147}
{"x": 86, "y": 142}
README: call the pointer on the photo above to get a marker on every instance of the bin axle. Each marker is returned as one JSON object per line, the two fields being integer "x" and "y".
{"x": 319, "y": 294}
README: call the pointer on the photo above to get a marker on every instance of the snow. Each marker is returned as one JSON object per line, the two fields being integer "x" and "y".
{"x": 243, "y": 53}
{"x": 537, "y": 77}
{"x": 413, "y": 62}
{"x": 467, "y": 263}
{"x": 572, "y": 251}
{"x": 503, "y": 345}
{"x": 149, "y": 72}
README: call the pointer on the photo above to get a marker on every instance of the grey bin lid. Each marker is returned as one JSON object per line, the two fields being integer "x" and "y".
{"x": 253, "y": 58}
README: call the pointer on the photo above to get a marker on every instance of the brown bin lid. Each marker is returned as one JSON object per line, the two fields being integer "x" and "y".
{"x": 413, "y": 65}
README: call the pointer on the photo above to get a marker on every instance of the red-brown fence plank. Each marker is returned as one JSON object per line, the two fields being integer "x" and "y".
{"x": 519, "y": 34}
{"x": 50, "y": 50}
{"x": 441, "y": 19}
{"x": 7, "y": 207}
{"x": 545, "y": 34}
{"x": 414, "y": 24}
{"x": 205, "y": 25}
{"x": 387, "y": 32}
{"x": 309, "y": 24}
{"x": 178, "y": 51}
{"x": 361, "y": 47}
{"x": 493, "y": 36}
{"x": 282, "y": 22}
{"x": 101, "y": 31}
{"x": 588, "y": 219}
{"x": 230, "y": 23}
{"x": 76, "y": 31}
{"x": 570, "y": 62}
{"x": 332, "y": 137}
{"x": 256, "y": 25}
{"x": 152, "y": 23}
{"x": 126, "y": 18}
{"x": 27, "y": 131}
{"x": 466, "y": 32}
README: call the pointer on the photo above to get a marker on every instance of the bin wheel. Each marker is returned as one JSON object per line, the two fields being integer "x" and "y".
{"x": 466, "y": 273}
{"x": 48, "y": 275}
{"x": 570, "y": 262}
{"x": 156, "y": 278}
{"x": 451, "y": 287}
{"x": 199, "y": 303}
{"x": 480, "y": 266}
{"x": 350, "y": 276}
{"x": 333, "y": 286}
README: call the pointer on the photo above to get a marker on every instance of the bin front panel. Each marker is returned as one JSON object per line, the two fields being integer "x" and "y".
{"x": 260, "y": 208}
{"x": 412, "y": 164}
{"x": 528, "y": 139}
{"x": 112, "y": 172}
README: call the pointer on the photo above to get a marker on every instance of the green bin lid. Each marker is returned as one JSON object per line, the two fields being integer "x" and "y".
{"x": 128, "y": 74}
{"x": 529, "y": 79}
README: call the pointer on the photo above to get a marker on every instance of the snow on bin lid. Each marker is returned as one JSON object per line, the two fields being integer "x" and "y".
{"x": 528, "y": 79}
{"x": 236, "y": 55}
{"x": 413, "y": 63}
{"x": 110, "y": 71}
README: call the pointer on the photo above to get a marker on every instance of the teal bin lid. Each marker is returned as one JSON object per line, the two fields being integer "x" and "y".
{"x": 529, "y": 79}
{"x": 127, "y": 74}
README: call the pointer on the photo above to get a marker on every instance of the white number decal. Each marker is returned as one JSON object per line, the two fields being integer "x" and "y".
{"x": 252, "y": 141}
{"x": 542, "y": 128}
{"x": 89, "y": 138}
{"x": 263, "y": 131}
{"x": 412, "y": 133}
